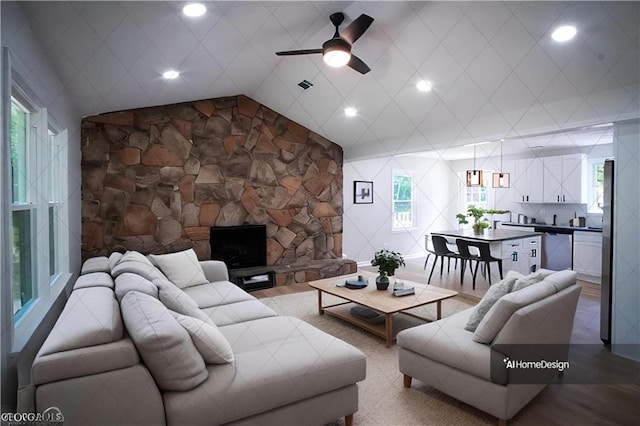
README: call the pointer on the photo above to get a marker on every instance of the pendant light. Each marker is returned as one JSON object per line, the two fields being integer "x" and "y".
{"x": 500, "y": 180}
{"x": 474, "y": 177}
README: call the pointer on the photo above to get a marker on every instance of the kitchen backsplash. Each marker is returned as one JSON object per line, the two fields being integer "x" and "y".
{"x": 543, "y": 213}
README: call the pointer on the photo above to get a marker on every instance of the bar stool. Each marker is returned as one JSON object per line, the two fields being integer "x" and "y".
{"x": 485, "y": 256}
{"x": 465, "y": 256}
{"x": 441, "y": 250}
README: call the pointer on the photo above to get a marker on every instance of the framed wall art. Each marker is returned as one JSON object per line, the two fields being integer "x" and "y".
{"x": 362, "y": 192}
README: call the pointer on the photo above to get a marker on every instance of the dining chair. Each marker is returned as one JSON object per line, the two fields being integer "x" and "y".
{"x": 465, "y": 256}
{"x": 484, "y": 250}
{"x": 441, "y": 250}
{"x": 484, "y": 256}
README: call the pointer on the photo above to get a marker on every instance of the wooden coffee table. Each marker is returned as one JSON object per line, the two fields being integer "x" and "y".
{"x": 384, "y": 302}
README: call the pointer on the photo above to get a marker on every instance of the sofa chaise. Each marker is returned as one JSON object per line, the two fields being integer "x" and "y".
{"x": 466, "y": 355}
{"x": 155, "y": 340}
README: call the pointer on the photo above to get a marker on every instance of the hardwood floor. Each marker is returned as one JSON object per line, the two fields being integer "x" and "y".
{"x": 611, "y": 402}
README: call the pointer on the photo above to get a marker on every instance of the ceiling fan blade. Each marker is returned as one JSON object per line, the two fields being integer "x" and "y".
{"x": 299, "y": 52}
{"x": 357, "y": 64}
{"x": 355, "y": 29}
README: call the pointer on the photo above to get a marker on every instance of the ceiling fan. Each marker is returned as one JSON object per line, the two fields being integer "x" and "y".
{"x": 336, "y": 52}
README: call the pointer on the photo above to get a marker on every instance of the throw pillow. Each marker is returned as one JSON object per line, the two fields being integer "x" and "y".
{"x": 136, "y": 263}
{"x": 127, "y": 282}
{"x": 164, "y": 345}
{"x": 114, "y": 258}
{"x": 526, "y": 281}
{"x": 492, "y": 295}
{"x": 209, "y": 341}
{"x": 179, "y": 301}
{"x": 182, "y": 268}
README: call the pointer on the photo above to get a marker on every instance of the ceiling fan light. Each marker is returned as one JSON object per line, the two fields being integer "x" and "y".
{"x": 336, "y": 57}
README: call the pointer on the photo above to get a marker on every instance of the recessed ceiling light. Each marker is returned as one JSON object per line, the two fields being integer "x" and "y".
{"x": 350, "y": 112}
{"x": 193, "y": 10}
{"x": 423, "y": 86}
{"x": 564, "y": 33}
{"x": 170, "y": 75}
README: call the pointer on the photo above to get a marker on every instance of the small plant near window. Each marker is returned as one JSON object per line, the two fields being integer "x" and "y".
{"x": 480, "y": 223}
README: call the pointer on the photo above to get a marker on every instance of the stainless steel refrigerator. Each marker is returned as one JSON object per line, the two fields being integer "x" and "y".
{"x": 607, "y": 254}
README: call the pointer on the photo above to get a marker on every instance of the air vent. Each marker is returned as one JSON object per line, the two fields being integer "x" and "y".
{"x": 305, "y": 84}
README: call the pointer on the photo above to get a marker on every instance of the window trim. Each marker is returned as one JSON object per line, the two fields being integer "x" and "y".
{"x": 412, "y": 174}
{"x": 20, "y": 329}
{"x": 592, "y": 197}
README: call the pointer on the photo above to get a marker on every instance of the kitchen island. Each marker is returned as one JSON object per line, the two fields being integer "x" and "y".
{"x": 519, "y": 250}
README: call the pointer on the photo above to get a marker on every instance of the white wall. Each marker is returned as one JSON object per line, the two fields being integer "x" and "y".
{"x": 367, "y": 227}
{"x": 626, "y": 241}
{"x": 30, "y": 62}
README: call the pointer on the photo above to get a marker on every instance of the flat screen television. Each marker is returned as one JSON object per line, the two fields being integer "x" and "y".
{"x": 239, "y": 247}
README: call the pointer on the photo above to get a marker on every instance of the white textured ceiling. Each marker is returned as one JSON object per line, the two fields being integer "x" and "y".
{"x": 495, "y": 71}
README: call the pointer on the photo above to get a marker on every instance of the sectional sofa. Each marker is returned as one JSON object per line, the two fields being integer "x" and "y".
{"x": 471, "y": 355}
{"x": 155, "y": 340}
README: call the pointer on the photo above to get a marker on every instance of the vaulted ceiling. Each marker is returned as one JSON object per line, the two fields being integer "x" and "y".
{"x": 494, "y": 69}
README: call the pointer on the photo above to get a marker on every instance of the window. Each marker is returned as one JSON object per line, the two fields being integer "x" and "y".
{"x": 479, "y": 196}
{"x": 54, "y": 204}
{"x": 403, "y": 200}
{"x": 596, "y": 185}
{"x": 22, "y": 210}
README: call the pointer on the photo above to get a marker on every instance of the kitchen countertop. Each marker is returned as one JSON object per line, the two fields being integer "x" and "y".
{"x": 489, "y": 235}
{"x": 542, "y": 227}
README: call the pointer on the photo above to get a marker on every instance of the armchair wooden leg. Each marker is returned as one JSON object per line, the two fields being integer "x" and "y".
{"x": 407, "y": 381}
{"x": 348, "y": 420}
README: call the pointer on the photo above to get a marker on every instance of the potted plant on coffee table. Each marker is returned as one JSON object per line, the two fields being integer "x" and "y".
{"x": 387, "y": 262}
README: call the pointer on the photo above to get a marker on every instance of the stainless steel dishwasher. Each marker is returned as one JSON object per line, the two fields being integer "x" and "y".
{"x": 557, "y": 249}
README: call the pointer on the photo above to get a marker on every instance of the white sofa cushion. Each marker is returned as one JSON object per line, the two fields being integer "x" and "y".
{"x": 95, "y": 264}
{"x": 246, "y": 310}
{"x": 127, "y": 282}
{"x": 178, "y": 301}
{"x": 94, "y": 279}
{"x": 211, "y": 344}
{"x": 278, "y": 361}
{"x": 562, "y": 279}
{"x": 523, "y": 281}
{"x": 495, "y": 292}
{"x": 114, "y": 258}
{"x": 136, "y": 263}
{"x": 163, "y": 343}
{"x": 217, "y": 294}
{"x": 182, "y": 268}
{"x": 90, "y": 317}
{"x": 502, "y": 310}
{"x": 447, "y": 342}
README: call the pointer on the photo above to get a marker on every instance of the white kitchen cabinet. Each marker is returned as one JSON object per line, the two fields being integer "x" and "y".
{"x": 565, "y": 179}
{"x": 528, "y": 180}
{"x": 587, "y": 255}
{"x": 521, "y": 255}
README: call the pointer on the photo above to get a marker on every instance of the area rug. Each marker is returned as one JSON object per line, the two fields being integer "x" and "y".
{"x": 383, "y": 399}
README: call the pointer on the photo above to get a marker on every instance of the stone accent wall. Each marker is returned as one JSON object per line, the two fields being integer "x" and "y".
{"x": 156, "y": 179}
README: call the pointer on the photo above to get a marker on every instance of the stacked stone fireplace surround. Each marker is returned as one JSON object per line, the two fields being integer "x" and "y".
{"x": 156, "y": 179}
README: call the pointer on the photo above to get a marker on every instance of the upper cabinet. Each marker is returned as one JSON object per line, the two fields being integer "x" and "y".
{"x": 528, "y": 180}
{"x": 565, "y": 179}
{"x": 560, "y": 179}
